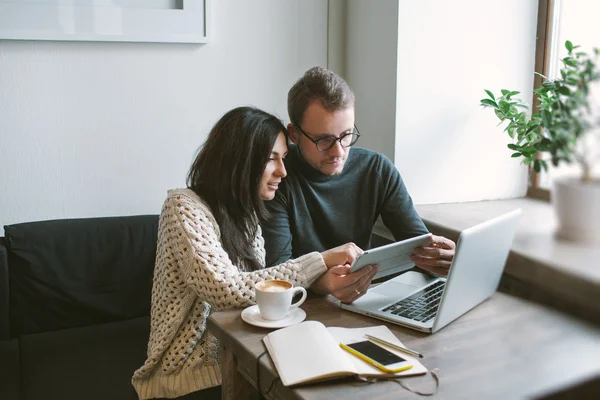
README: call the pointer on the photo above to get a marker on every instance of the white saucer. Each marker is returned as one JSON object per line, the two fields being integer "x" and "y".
{"x": 252, "y": 316}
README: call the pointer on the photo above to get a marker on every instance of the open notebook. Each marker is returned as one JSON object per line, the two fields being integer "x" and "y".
{"x": 310, "y": 352}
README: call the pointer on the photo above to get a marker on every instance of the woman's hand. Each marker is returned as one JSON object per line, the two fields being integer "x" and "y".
{"x": 344, "y": 254}
{"x": 347, "y": 287}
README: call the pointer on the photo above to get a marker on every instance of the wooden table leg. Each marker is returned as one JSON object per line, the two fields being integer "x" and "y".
{"x": 235, "y": 386}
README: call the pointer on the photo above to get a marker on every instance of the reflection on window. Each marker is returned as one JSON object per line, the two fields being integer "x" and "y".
{"x": 577, "y": 21}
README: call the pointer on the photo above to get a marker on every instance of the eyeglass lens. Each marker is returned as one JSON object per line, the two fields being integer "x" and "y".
{"x": 346, "y": 140}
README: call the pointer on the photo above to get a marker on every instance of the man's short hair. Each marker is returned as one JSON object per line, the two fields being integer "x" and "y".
{"x": 321, "y": 84}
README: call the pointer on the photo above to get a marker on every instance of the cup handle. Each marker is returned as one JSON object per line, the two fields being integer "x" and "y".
{"x": 299, "y": 302}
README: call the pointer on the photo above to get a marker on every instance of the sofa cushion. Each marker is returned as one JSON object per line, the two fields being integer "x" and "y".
{"x": 79, "y": 272}
{"x": 91, "y": 363}
{"x": 4, "y": 313}
{"x": 10, "y": 380}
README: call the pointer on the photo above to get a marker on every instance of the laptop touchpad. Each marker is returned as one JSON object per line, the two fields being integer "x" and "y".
{"x": 414, "y": 278}
{"x": 371, "y": 301}
{"x": 394, "y": 290}
{"x": 403, "y": 285}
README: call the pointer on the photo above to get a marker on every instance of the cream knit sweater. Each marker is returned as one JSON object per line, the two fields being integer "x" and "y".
{"x": 194, "y": 277}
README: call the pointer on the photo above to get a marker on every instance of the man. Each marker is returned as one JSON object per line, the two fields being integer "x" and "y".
{"x": 333, "y": 193}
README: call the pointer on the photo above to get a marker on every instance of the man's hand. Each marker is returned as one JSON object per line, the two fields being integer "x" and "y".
{"x": 436, "y": 257}
{"x": 344, "y": 254}
{"x": 344, "y": 286}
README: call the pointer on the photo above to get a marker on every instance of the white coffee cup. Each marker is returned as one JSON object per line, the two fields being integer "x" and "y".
{"x": 274, "y": 298}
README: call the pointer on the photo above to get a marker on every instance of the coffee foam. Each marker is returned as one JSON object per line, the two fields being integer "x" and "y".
{"x": 274, "y": 286}
{"x": 274, "y": 289}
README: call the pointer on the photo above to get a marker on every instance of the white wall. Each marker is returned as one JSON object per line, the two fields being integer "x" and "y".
{"x": 97, "y": 129}
{"x": 418, "y": 97}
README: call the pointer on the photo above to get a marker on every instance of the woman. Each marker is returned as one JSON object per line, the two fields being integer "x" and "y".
{"x": 211, "y": 253}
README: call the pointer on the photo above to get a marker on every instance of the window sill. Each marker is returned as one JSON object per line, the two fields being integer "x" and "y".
{"x": 540, "y": 267}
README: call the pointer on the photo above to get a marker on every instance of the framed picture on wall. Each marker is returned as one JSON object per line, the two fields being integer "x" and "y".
{"x": 168, "y": 21}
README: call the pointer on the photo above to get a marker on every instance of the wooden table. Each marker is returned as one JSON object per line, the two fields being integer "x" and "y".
{"x": 506, "y": 348}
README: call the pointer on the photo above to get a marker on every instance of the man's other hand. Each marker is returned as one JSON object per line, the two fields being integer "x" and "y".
{"x": 436, "y": 257}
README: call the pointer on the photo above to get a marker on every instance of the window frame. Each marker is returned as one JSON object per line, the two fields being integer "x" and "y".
{"x": 543, "y": 46}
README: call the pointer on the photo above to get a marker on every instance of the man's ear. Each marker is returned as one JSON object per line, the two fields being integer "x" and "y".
{"x": 294, "y": 133}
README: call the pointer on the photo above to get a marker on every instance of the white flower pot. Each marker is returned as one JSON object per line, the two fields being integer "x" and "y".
{"x": 577, "y": 207}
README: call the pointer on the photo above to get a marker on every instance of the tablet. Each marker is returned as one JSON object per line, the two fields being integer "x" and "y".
{"x": 391, "y": 258}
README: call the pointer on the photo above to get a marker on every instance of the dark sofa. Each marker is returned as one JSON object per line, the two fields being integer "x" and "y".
{"x": 74, "y": 307}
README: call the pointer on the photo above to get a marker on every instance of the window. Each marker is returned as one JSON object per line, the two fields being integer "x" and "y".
{"x": 559, "y": 21}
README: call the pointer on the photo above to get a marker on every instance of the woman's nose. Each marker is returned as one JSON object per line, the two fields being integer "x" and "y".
{"x": 281, "y": 172}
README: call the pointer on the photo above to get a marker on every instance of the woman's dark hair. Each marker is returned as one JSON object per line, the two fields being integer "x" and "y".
{"x": 226, "y": 174}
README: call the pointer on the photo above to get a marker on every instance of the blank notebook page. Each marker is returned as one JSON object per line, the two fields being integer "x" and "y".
{"x": 305, "y": 351}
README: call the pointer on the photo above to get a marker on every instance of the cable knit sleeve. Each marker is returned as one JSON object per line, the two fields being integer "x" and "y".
{"x": 194, "y": 238}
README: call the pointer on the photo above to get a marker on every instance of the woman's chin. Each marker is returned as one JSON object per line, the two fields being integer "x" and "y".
{"x": 268, "y": 196}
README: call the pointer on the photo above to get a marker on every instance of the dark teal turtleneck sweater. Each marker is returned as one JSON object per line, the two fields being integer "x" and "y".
{"x": 315, "y": 212}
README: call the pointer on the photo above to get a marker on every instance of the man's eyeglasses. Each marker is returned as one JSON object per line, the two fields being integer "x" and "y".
{"x": 327, "y": 142}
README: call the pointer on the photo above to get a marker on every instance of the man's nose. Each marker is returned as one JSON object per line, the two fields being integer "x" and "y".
{"x": 337, "y": 149}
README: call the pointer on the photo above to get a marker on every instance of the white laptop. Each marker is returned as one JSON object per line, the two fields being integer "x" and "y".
{"x": 428, "y": 303}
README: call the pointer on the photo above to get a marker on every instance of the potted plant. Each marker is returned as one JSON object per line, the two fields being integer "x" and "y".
{"x": 562, "y": 131}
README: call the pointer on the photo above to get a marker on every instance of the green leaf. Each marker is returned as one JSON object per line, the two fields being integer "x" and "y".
{"x": 564, "y": 90}
{"x": 505, "y": 92}
{"x": 515, "y": 155}
{"x": 513, "y": 146}
{"x": 514, "y": 93}
{"x": 569, "y": 45}
{"x": 571, "y": 62}
{"x": 548, "y": 84}
{"x": 531, "y": 137}
{"x": 488, "y": 103}
{"x": 546, "y": 118}
{"x": 536, "y": 166}
{"x": 490, "y": 94}
{"x": 534, "y": 127}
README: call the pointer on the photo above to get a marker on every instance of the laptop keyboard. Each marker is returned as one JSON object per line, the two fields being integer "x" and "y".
{"x": 421, "y": 306}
